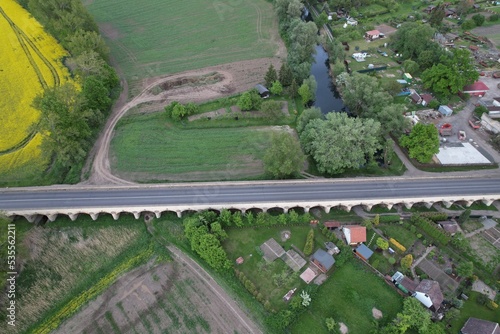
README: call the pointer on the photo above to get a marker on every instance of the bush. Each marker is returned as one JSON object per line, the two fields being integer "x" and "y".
{"x": 494, "y": 17}
{"x": 482, "y": 299}
{"x": 480, "y": 110}
{"x": 308, "y": 248}
{"x": 492, "y": 305}
{"x": 435, "y": 216}
{"x": 478, "y": 19}
{"x": 398, "y": 246}
{"x": 468, "y": 25}
{"x": 392, "y": 260}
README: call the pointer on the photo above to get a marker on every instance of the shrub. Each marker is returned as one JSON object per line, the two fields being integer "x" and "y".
{"x": 398, "y": 246}
{"x": 468, "y": 25}
{"x": 492, "y": 305}
{"x": 478, "y": 19}
{"x": 308, "y": 248}
{"x": 392, "y": 260}
{"x": 482, "y": 299}
{"x": 435, "y": 216}
{"x": 494, "y": 17}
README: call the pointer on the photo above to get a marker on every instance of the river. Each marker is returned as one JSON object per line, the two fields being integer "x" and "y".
{"x": 327, "y": 96}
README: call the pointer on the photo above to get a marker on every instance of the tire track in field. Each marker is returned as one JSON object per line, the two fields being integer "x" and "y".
{"x": 32, "y": 62}
{"x": 21, "y": 144}
{"x": 259, "y": 22}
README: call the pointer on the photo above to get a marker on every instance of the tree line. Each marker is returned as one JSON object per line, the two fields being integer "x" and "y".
{"x": 72, "y": 114}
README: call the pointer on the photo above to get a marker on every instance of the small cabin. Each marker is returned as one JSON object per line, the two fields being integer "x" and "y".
{"x": 263, "y": 91}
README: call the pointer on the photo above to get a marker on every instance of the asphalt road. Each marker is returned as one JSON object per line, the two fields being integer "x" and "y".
{"x": 48, "y": 198}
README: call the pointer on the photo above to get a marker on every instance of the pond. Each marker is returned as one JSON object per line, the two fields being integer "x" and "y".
{"x": 327, "y": 96}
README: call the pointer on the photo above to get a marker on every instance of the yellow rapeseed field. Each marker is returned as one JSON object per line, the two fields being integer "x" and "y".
{"x": 30, "y": 60}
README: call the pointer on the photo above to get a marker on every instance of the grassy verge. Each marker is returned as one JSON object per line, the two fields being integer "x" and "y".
{"x": 348, "y": 296}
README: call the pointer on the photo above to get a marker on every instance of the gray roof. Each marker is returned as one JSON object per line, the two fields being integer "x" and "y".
{"x": 364, "y": 251}
{"x": 261, "y": 89}
{"x": 480, "y": 326}
{"x": 272, "y": 250}
{"x": 324, "y": 258}
{"x": 294, "y": 260}
{"x": 431, "y": 289}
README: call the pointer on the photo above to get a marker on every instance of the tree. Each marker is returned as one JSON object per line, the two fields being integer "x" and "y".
{"x": 465, "y": 269}
{"x": 422, "y": 143}
{"x": 414, "y": 315}
{"x": 294, "y": 89}
{"x": 437, "y": 16}
{"x": 382, "y": 243}
{"x": 84, "y": 41}
{"x": 225, "y": 218}
{"x": 407, "y": 261}
{"x": 321, "y": 20}
{"x": 237, "y": 219}
{"x": 64, "y": 123}
{"x": 478, "y": 19}
{"x": 306, "y": 116}
{"x": 464, "y": 216}
{"x": 217, "y": 230}
{"x": 250, "y": 218}
{"x": 284, "y": 158}
{"x": 305, "y": 93}
{"x": 271, "y": 76}
{"x": 96, "y": 95}
{"x": 411, "y": 39}
{"x": 336, "y": 51}
{"x": 272, "y": 109}
{"x": 276, "y": 88}
{"x": 306, "y": 298}
{"x": 454, "y": 71}
{"x": 88, "y": 63}
{"x": 410, "y": 66}
{"x": 245, "y": 101}
{"x": 376, "y": 220}
{"x": 388, "y": 151}
{"x": 308, "y": 247}
{"x": 468, "y": 25}
{"x": 340, "y": 142}
{"x": 179, "y": 112}
{"x": 285, "y": 75}
{"x": 294, "y": 216}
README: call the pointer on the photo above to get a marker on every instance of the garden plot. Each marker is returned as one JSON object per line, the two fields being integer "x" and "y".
{"x": 435, "y": 273}
{"x": 493, "y": 236}
{"x": 169, "y": 298}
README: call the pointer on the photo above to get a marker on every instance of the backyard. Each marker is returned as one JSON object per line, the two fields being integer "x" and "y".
{"x": 472, "y": 309}
{"x": 165, "y": 37}
{"x": 348, "y": 296}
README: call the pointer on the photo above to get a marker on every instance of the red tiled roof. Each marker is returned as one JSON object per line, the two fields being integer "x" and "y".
{"x": 373, "y": 32}
{"x": 475, "y": 87}
{"x": 358, "y": 233}
{"x": 332, "y": 224}
{"x": 426, "y": 97}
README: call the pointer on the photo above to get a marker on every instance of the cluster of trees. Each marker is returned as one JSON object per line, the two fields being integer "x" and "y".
{"x": 71, "y": 117}
{"x": 250, "y": 286}
{"x": 445, "y": 72}
{"x": 429, "y": 227}
{"x": 284, "y": 158}
{"x": 422, "y": 142}
{"x": 205, "y": 234}
{"x": 338, "y": 142}
{"x": 178, "y": 111}
{"x": 299, "y": 36}
{"x": 227, "y": 219}
{"x": 367, "y": 99}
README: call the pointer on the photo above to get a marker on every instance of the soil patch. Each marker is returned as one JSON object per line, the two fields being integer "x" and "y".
{"x": 165, "y": 298}
{"x": 377, "y": 314}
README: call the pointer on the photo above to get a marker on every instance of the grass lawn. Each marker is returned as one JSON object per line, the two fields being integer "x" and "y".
{"x": 471, "y": 225}
{"x": 168, "y": 36}
{"x": 349, "y": 296}
{"x": 472, "y": 309}
{"x": 153, "y": 148}
{"x": 399, "y": 232}
{"x": 245, "y": 242}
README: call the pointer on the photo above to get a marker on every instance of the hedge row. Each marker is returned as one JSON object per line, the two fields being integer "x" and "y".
{"x": 435, "y": 216}
{"x": 396, "y": 244}
{"x": 431, "y": 229}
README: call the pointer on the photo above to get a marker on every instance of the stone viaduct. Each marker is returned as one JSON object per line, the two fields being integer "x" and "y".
{"x": 157, "y": 210}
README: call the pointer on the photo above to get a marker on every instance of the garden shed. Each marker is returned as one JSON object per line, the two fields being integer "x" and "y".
{"x": 363, "y": 252}
{"x": 445, "y": 110}
{"x": 263, "y": 91}
{"x": 294, "y": 260}
{"x": 272, "y": 250}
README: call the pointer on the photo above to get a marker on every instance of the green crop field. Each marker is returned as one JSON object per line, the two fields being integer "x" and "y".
{"x": 166, "y": 36}
{"x": 150, "y": 148}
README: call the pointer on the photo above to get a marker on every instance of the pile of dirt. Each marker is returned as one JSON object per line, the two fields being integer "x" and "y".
{"x": 192, "y": 81}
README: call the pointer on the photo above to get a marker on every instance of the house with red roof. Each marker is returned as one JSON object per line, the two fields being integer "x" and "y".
{"x": 354, "y": 234}
{"x": 478, "y": 88}
{"x": 372, "y": 34}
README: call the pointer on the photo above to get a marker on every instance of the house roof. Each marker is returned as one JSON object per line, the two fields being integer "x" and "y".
{"x": 332, "y": 224}
{"x": 272, "y": 250}
{"x": 445, "y": 110}
{"x": 325, "y": 259}
{"x": 308, "y": 275}
{"x": 406, "y": 282}
{"x": 358, "y": 233}
{"x": 480, "y": 326}
{"x": 364, "y": 251}
{"x": 415, "y": 97}
{"x": 330, "y": 245}
{"x": 477, "y": 86}
{"x": 432, "y": 290}
{"x": 373, "y": 32}
{"x": 449, "y": 226}
{"x": 427, "y": 97}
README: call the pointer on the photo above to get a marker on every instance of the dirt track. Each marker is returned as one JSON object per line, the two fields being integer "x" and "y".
{"x": 237, "y": 77}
